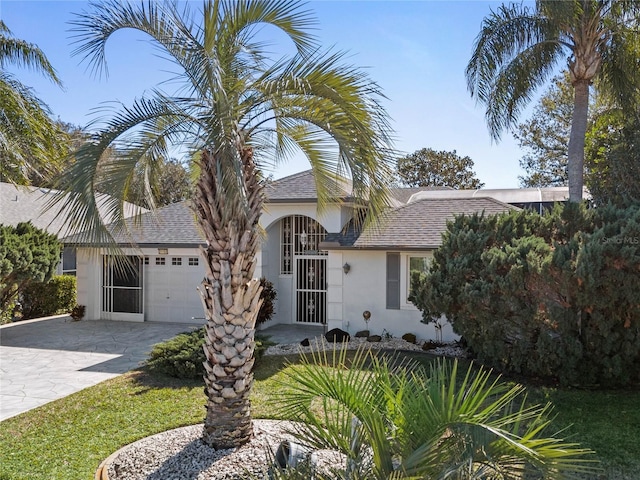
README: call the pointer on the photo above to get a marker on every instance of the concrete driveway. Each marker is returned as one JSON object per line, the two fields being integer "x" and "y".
{"x": 43, "y": 360}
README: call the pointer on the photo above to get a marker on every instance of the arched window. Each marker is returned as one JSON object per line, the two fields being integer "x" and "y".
{"x": 299, "y": 235}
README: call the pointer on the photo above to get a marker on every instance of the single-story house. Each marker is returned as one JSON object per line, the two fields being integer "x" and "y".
{"x": 324, "y": 270}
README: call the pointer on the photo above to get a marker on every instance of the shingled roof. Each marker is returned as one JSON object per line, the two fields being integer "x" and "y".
{"x": 301, "y": 188}
{"x": 172, "y": 225}
{"x": 416, "y": 226}
{"x": 20, "y": 203}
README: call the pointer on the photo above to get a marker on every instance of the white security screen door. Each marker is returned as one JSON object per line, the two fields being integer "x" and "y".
{"x": 311, "y": 289}
{"x": 122, "y": 295}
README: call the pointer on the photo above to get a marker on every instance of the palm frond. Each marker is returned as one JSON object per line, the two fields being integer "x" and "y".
{"x": 514, "y": 53}
{"x": 23, "y": 54}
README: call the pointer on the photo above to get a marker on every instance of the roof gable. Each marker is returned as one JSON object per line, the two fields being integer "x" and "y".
{"x": 301, "y": 187}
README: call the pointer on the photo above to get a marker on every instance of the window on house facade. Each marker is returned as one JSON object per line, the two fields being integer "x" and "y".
{"x": 393, "y": 281}
{"x": 416, "y": 265}
{"x": 176, "y": 261}
{"x": 146, "y": 260}
{"x": 69, "y": 264}
{"x": 299, "y": 235}
{"x": 161, "y": 261}
{"x": 194, "y": 261}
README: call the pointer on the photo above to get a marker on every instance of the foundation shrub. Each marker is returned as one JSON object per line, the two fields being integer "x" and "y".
{"x": 556, "y": 295}
{"x": 41, "y": 299}
{"x": 183, "y": 356}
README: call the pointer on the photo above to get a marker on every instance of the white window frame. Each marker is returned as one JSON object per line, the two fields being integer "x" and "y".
{"x": 405, "y": 304}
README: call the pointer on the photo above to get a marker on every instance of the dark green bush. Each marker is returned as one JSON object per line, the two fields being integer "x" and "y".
{"x": 183, "y": 355}
{"x": 268, "y": 296}
{"x": 555, "y": 295}
{"x": 27, "y": 254}
{"x": 58, "y": 295}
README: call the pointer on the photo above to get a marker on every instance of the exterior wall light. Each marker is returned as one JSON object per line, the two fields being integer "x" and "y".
{"x": 346, "y": 268}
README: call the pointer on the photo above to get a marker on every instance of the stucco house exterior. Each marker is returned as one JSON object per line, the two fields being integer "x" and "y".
{"x": 325, "y": 271}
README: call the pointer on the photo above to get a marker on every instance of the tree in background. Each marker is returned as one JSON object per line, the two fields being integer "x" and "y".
{"x": 613, "y": 159}
{"x": 169, "y": 180}
{"x": 519, "y": 47}
{"x": 545, "y": 137}
{"x": 235, "y": 111}
{"x": 27, "y": 254}
{"x": 430, "y": 168}
{"x": 32, "y": 145}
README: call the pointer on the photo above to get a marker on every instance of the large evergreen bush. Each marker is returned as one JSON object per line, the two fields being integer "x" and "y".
{"x": 555, "y": 295}
{"x": 27, "y": 254}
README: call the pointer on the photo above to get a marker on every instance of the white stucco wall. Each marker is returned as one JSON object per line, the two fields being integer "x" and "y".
{"x": 332, "y": 218}
{"x": 364, "y": 288}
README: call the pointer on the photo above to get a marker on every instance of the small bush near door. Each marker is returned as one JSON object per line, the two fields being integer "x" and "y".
{"x": 268, "y": 296}
{"x": 58, "y": 295}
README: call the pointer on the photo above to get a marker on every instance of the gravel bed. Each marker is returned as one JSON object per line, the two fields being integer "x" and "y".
{"x": 448, "y": 350}
{"x": 180, "y": 454}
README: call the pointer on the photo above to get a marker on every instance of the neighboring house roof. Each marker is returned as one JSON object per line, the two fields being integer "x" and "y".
{"x": 173, "y": 225}
{"x": 417, "y": 225}
{"x": 403, "y": 194}
{"x": 20, "y": 203}
{"x": 506, "y": 195}
{"x": 301, "y": 188}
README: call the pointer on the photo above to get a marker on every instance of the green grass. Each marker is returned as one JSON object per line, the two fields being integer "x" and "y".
{"x": 68, "y": 438}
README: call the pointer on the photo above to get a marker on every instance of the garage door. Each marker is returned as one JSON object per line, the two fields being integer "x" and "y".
{"x": 170, "y": 289}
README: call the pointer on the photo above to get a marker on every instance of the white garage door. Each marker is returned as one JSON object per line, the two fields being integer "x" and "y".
{"x": 170, "y": 289}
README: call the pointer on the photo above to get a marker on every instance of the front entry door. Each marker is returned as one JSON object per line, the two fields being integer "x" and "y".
{"x": 311, "y": 289}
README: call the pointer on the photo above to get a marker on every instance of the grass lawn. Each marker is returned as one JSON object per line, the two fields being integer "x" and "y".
{"x": 68, "y": 438}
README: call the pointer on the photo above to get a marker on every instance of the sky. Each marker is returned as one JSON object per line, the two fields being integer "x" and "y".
{"x": 416, "y": 51}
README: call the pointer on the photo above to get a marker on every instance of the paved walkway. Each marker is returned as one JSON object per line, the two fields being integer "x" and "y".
{"x": 44, "y": 360}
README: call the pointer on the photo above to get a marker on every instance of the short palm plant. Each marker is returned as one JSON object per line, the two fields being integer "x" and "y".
{"x": 394, "y": 419}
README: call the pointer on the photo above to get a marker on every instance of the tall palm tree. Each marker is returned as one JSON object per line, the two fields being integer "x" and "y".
{"x": 398, "y": 419}
{"x": 31, "y": 144}
{"x": 519, "y": 47}
{"x": 236, "y": 112}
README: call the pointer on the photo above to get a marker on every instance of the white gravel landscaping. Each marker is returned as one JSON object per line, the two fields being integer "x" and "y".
{"x": 180, "y": 454}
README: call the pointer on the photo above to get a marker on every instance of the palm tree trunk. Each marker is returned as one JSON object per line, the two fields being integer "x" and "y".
{"x": 575, "y": 167}
{"x": 231, "y": 299}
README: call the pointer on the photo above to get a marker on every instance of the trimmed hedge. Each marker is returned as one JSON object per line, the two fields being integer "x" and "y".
{"x": 58, "y": 295}
{"x": 553, "y": 296}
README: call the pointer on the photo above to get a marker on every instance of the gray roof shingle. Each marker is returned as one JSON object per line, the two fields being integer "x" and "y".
{"x": 418, "y": 225}
{"x": 301, "y": 187}
{"x": 173, "y": 225}
{"x": 27, "y": 204}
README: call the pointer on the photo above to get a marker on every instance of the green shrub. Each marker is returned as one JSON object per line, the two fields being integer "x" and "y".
{"x": 27, "y": 254}
{"x": 555, "y": 295}
{"x": 58, "y": 295}
{"x": 183, "y": 355}
{"x": 268, "y": 296}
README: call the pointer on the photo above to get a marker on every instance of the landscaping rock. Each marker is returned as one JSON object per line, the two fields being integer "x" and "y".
{"x": 305, "y": 342}
{"x": 430, "y": 345}
{"x": 362, "y": 334}
{"x": 337, "y": 335}
{"x": 374, "y": 338}
{"x": 409, "y": 337}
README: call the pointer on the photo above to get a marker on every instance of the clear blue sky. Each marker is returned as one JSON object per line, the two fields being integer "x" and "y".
{"x": 417, "y": 51}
